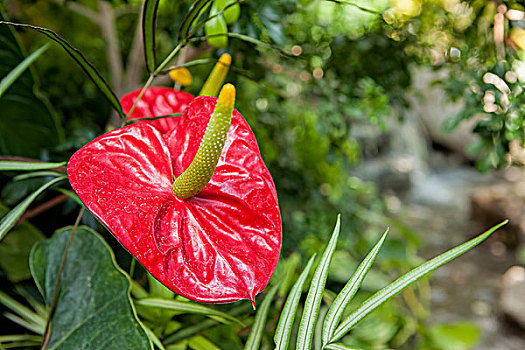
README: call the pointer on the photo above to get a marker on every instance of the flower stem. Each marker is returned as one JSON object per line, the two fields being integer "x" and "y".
{"x": 201, "y": 169}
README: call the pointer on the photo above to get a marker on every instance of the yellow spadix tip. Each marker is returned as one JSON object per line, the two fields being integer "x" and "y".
{"x": 225, "y": 59}
{"x": 227, "y": 96}
{"x": 181, "y": 76}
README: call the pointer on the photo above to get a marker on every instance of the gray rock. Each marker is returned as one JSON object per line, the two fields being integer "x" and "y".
{"x": 512, "y": 299}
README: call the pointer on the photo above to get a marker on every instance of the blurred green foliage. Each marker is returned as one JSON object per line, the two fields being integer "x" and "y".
{"x": 343, "y": 67}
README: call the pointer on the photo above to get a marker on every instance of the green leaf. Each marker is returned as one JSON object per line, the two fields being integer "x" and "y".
{"x": 7, "y": 165}
{"x": 339, "y": 346}
{"x": 15, "y": 248}
{"x": 71, "y": 195}
{"x": 20, "y": 337}
{"x": 24, "y": 312}
{"x": 10, "y": 78}
{"x": 33, "y": 327}
{"x": 149, "y": 17}
{"x": 82, "y": 61}
{"x": 200, "y": 343}
{"x": 404, "y": 281}
{"x": 37, "y": 174}
{"x": 155, "y": 340}
{"x": 11, "y": 218}
{"x": 315, "y": 294}
{"x": 255, "y": 336}
{"x": 347, "y": 293}
{"x": 93, "y": 307}
{"x": 457, "y": 336}
{"x": 191, "y": 330}
{"x": 187, "y": 307}
{"x": 28, "y": 124}
{"x": 193, "y": 14}
{"x": 284, "y": 327}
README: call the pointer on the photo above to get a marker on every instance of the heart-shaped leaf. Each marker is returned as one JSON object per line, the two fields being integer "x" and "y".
{"x": 93, "y": 307}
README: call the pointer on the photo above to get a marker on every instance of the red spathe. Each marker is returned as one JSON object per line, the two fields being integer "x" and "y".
{"x": 221, "y": 245}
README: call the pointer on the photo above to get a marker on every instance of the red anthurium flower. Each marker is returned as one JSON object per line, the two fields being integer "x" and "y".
{"x": 220, "y": 245}
{"x": 157, "y": 101}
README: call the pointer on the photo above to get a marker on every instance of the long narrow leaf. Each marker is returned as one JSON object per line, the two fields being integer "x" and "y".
{"x": 22, "y": 310}
{"x": 33, "y": 327}
{"x": 186, "y": 307}
{"x": 20, "y": 68}
{"x": 255, "y": 336}
{"x": 284, "y": 327}
{"x": 87, "y": 66}
{"x": 191, "y": 16}
{"x": 315, "y": 294}
{"x": 9, "y": 220}
{"x": 154, "y": 339}
{"x": 188, "y": 332}
{"x": 8, "y": 165}
{"x": 347, "y": 293}
{"x": 149, "y": 17}
{"x": 404, "y": 281}
{"x": 339, "y": 346}
{"x": 20, "y": 337}
{"x": 37, "y": 174}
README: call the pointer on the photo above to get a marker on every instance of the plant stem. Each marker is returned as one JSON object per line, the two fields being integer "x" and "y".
{"x": 47, "y": 331}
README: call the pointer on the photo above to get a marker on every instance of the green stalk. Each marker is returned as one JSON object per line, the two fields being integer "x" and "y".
{"x": 201, "y": 169}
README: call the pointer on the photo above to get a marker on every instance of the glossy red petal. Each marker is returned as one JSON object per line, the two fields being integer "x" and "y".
{"x": 221, "y": 245}
{"x": 157, "y": 101}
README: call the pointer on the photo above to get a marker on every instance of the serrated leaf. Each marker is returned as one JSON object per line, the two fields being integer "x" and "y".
{"x": 82, "y": 61}
{"x": 345, "y": 296}
{"x": 7, "y": 165}
{"x": 284, "y": 327}
{"x": 10, "y": 78}
{"x": 404, "y": 281}
{"x": 315, "y": 293}
{"x": 255, "y": 336}
{"x": 12, "y": 217}
{"x": 149, "y": 17}
{"x": 187, "y": 307}
{"x": 93, "y": 308}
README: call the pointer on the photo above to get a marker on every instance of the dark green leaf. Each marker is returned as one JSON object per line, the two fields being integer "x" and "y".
{"x": 255, "y": 336}
{"x": 192, "y": 15}
{"x": 345, "y": 296}
{"x": 315, "y": 293}
{"x": 149, "y": 17}
{"x": 284, "y": 328}
{"x": 82, "y": 61}
{"x": 15, "y": 248}
{"x": 10, "y": 78}
{"x": 93, "y": 308}
{"x": 28, "y": 124}
{"x": 11, "y": 218}
{"x": 404, "y": 281}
